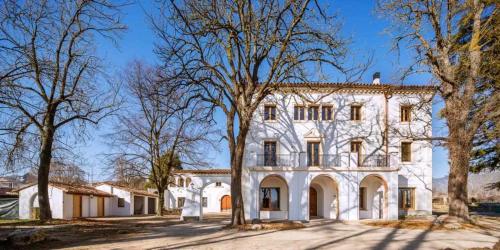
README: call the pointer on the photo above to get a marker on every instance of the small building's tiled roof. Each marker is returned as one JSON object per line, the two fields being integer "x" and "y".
{"x": 368, "y": 87}
{"x": 203, "y": 171}
{"x": 73, "y": 189}
{"x": 131, "y": 190}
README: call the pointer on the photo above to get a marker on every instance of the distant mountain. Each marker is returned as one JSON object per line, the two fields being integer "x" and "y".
{"x": 476, "y": 185}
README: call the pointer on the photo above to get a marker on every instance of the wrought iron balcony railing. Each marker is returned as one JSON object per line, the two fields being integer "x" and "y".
{"x": 273, "y": 160}
{"x": 319, "y": 160}
{"x": 360, "y": 160}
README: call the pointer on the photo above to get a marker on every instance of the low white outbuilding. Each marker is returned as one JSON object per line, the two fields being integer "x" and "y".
{"x": 66, "y": 201}
{"x": 127, "y": 201}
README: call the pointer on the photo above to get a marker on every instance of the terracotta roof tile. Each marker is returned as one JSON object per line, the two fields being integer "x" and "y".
{"x": 132, "y": 190}
{"x": 359, "y": 86}
{"x": 73, "y": 189}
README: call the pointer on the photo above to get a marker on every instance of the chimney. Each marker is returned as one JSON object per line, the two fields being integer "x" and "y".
{"x": 376, "y": 78}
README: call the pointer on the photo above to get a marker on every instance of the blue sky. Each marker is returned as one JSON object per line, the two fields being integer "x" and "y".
{"x": 360, "y": 24}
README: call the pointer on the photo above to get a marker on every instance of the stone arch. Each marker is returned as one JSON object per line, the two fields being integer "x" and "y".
{"x": 34, "y": 208}
{"x": 376, "y": 199}
{"x": 328, "y": 196}
{"x": 204, "y": 186}
{"x": 271, "y": 212}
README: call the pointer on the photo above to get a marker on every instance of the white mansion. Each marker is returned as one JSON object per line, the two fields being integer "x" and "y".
{"x": 333, "y": 150}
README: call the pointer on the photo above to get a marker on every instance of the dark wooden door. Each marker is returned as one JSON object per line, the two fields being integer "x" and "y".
{"x": 313, "y": 199}
{"x": 225, "y": 203}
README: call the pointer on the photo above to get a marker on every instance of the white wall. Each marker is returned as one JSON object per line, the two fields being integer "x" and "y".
{"x": 55, "y": 200}
{"x": 112, "y": 203}
{"x": 214, "y": 196}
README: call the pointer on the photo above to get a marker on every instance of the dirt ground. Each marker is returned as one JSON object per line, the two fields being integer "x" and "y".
{"x": 170, "y": 233}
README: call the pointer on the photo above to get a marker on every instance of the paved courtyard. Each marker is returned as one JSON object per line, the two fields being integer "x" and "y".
{"x": 154, "y": 233}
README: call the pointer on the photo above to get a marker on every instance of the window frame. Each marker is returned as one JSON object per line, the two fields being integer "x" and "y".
{"x": 328, "y": 108}
{"x": 268, "y": 114}
{"x": 359, "y": 115}
{"x": 180, "y": 182}
{"x": 317, "y": 152}
{"x": 310, "y": 113}
{"x": 204, "y": 201}
{"x": 362, "y": 199}
{"x": 297, "y": 114}
{"x": 408, "y": 109}
{"x": 122, "y": 203}
{"x": 404, "y": 158}
{"x": 270, "y": 208}
{"x": 402, "y": 197}
{"x": 266, "y": 154}
{"x": 179, "y": 199}
{"x": 218, "y": 184}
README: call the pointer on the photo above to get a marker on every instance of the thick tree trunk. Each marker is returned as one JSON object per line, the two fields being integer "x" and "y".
{"x": 238, "y": 212}
{"x": 161, "y": 201}
{"x": 44, "y": 170}
{"x": 459, "y": 146}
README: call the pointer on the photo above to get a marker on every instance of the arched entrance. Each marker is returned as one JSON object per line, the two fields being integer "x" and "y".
{"x": 323, "y": 197}
{"x": 34, "y": 207}
{"x": 273, "y": 198}
{"x": 225, "y": 203}
{"x": 373, "y": 198}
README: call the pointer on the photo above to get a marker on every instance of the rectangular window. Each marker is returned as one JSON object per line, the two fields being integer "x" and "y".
{"x": 355, "y": 147}
{"x": 299, "y": 113}
{"x": 355, "y": 113}
{"x": 204, "y": 201}
{"x": 270, "y": 198}
{"x": 270, "y": 112}
{"x": 218, "y": 184}
{"x": 327, "y": 113}
{"x": 362, "y": 198}
{"x": 405, "y": 113}
{"x": 270, "y": 153}
{"x": 180, "y": 202}
{"x": 406, "y": 198}
{"x": 356, "y": 150}
{"x": 313, "y": 113}
{"x": 406, "y": 151}
{"x": 312, "y": 153}
{"x": 121, "y": 202}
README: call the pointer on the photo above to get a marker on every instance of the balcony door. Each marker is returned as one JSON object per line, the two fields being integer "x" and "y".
{"x": 312, "y": 154}
{"x": 270, "y": 153}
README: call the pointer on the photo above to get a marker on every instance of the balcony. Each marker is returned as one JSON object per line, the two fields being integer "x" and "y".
{"x": 274, "y": 160}
{"x": 360, "y": 160}
{"x": 345, "y": 160}
{"x": 321, "y": 160}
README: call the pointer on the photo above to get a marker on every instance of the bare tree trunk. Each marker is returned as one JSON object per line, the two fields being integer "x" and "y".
{"x": 238, "y": 211}
{"x": 161, "y": 201}
{"x": 459, "y": 147}
{"x": 44, "y": 168}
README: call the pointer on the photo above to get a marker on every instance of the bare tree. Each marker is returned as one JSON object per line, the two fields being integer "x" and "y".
{"x": 50, "y": 76}
{"x": 163, "y": 125}
{"x": 434, "y": 30}
{"x": 235, "y": 53}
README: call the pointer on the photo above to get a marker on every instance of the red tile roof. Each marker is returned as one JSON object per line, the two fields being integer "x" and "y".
{"x": 74, "y": 189}
{"x": 131, "y": 190}
{"x": 358, "y": 86}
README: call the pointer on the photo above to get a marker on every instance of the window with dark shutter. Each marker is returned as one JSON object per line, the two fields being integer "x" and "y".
{"x": 406, "y": 151}
{"x": 405, "y": 113}
{"x": 355, "y": 113}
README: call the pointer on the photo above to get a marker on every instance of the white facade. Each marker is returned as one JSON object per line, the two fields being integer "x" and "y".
{"x": 345, "y": 184}
{"x": 133, "y": 202}
{"x": 61, "y": 203}
{"x": 213, "y": 193}
{"x": 61, "y": 199}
